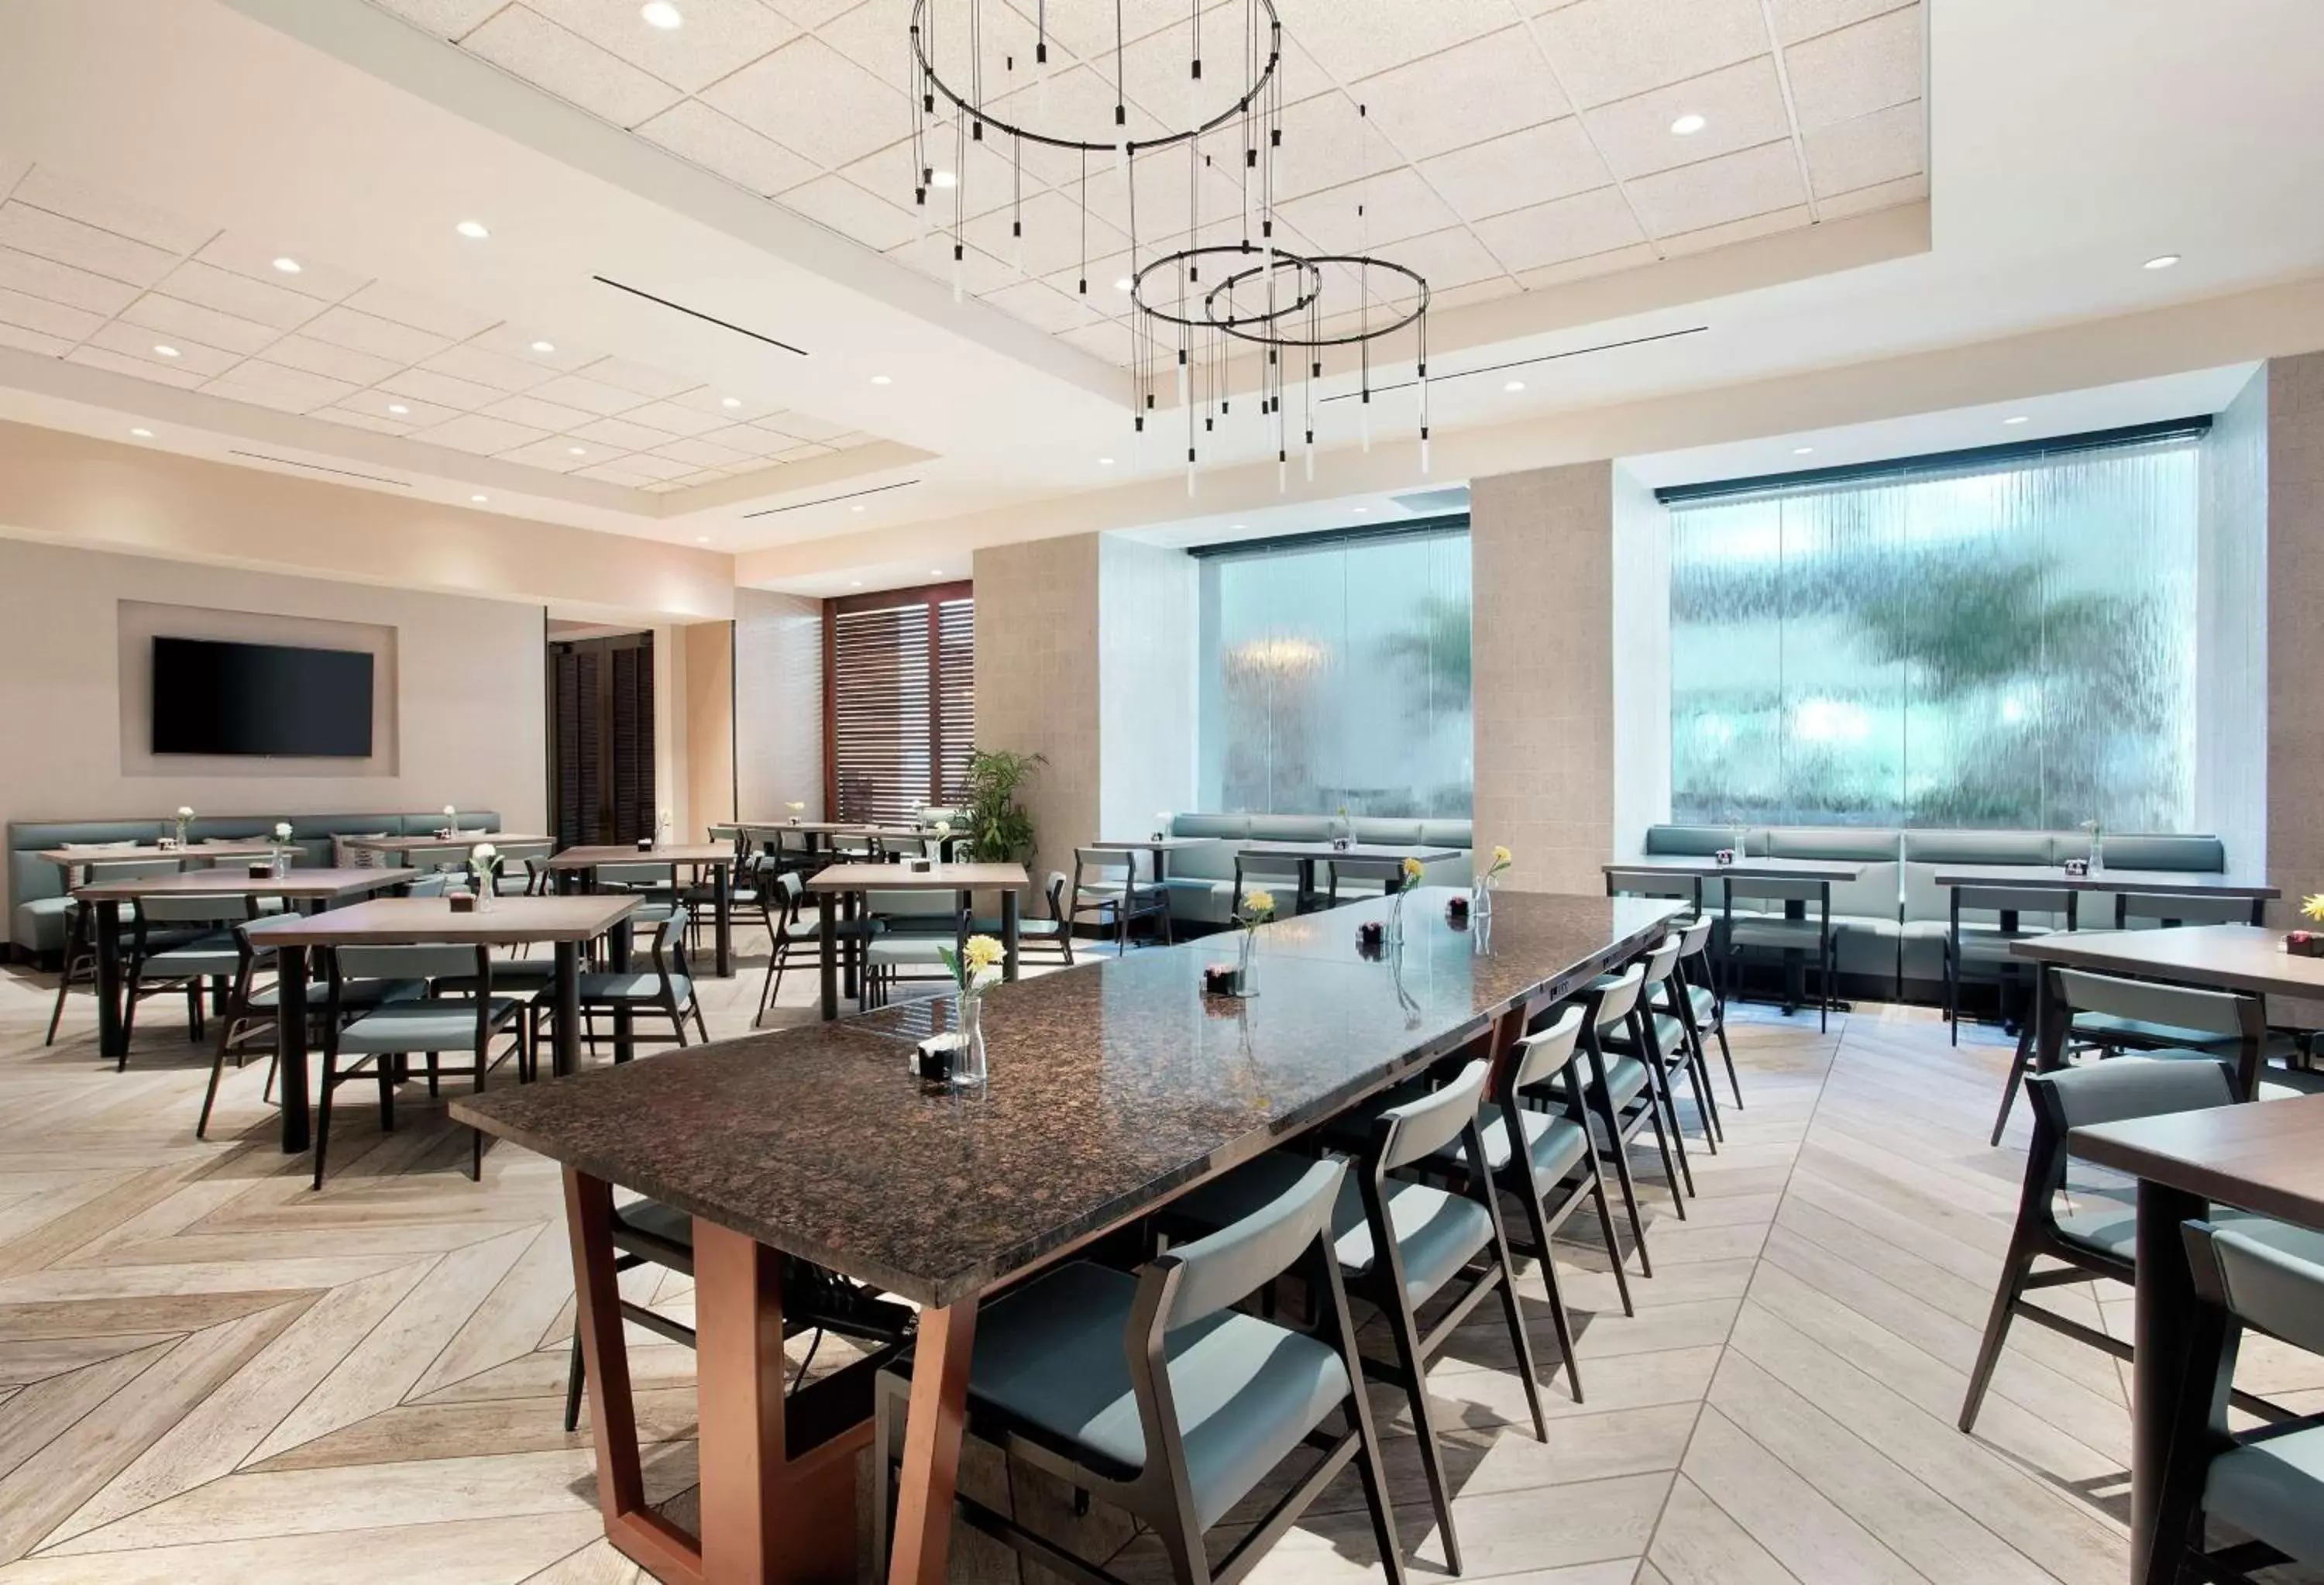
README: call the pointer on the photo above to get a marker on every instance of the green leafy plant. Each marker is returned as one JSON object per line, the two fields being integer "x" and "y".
{"x": 999, "y": 828}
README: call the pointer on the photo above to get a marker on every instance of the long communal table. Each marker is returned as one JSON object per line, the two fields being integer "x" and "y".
{"x": 1113, "y": 1088}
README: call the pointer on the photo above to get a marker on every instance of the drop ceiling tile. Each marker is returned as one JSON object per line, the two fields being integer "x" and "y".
{"x": 1886, "y": 145}
{"x": 357, "y": 419}
{"x": 167, "y": 317}
{"x": 872, "y": 35}
{"x": 650, "y": 383}
{"x": 1482, "y": 89}
{"x": 275, "y": 386}
{"x": 1840, "y": 76}
{"x": 1325, "y": 144}
{"x": 669, "y": 488}
{"x": 592, "y": 395}
{"x": 620, "y": 434}
{"x": 719, "y": 35}
{"x": 1716, "y": 191}
{"x": 613, "y": 472}
{"x": 1742, "y": 106}
{"x": 1865, "y": 199}
{"x": 85, "y": 247}
{"x": 977, "y": 273}
{"x": 1546, "y": 276}
{"x": 1553, "y": 161}
{"x": 25, "y": 340}
{"x": 1743, "y": 230}
{"x": 556, "y": 456}
{"x": 850, "y": 440}
{"x": 1040, "y": 305}
{"x": 1804, "y": 18}
{"x": 97, "y": 357}
{"x": 523, "y": 344}
{"x": 439, "y": 320}
{"x": 470, "y": 362}
{"x": 320, "y": 357}
{"x": 804, "y": 426}
{"x": 522, "y": 43}
{"x": 542, "y": 415}
{"x": 227, "y": 292}
{"x": 1156, "y": 75}
{"x": 1607, "y": 50}
{"x": 801, "y": 454}
{"x": 808, "y": 96}
{"x": 461, "y": 395}
{"x": 63, "y": 283}
{"x": 446, "y": 19}
{"x": 1395, "y": 206}
{"x": 850, "y": 210}
{"x": 1449, "y": 259}
{"x": 416, "y": 414}
{"x": 1352, "y": 39}
{"x": 1053, "y": 239}
{"x": 705, "y": 398}
{"x": 672, "y": 419}
{"x": 58, "y": 194}
{"x": 35, "y": 313}
{"x": 707, "y": 476}
{"x": 1563, "y": 228}
{"x": 719, "y": 144}
{"x": 473, "y": 432}
{"x": 992, "y": 179}
{"x": 701, "y": 453}
{"x": 657, "y": 467}
{"x": 346, "y": 327}
{"x": 129, "y": 341}
{"x": 1109, "y": 340}
{"x": 253, "y": 259}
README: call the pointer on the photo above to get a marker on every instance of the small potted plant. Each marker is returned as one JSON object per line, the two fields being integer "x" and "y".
{"x": 484, "y": 863}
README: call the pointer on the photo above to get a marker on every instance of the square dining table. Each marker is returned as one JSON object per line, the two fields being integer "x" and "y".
{"x": 713, "y": 856}
{"x": 847, "y": 884}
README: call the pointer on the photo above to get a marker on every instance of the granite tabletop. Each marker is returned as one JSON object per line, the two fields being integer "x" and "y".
{"x": 1113, "y": 1086}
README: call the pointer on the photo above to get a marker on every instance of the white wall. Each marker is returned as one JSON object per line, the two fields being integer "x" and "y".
{"x": 1642, "y": 748}
{"x": 777, "y": 703}
{"x": 469, "y": 720}
{"x": 1147, "y": 643}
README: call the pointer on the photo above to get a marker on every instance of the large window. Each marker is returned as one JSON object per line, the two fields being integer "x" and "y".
{"x": 900, "y": 700}
{"x": 1335, "y": 674}
{"x": 2009, "y": 644}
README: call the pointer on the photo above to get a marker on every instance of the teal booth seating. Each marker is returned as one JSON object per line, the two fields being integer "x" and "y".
{"x": 1200, "y": 879}
{"x": 37, "y": 903}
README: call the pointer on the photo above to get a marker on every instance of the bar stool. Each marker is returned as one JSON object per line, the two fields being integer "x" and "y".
{"x": 1655, "y": 1039}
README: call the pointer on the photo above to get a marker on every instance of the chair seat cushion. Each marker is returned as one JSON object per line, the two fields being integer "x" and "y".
{"x": 1626, "y": 1080}
{"x": 908, "y": 950}
{"x": 353, "y": 993}
{"x": 427, "y": 1024}
{"x": 1554, "y": 1140}
{"x": 2105, "y": 1218}
{"x": 1705, "y": 1005}
{"x": 1775, "y": 930}
{"x": 511, "y": 974}
{"x": 638, "y": 986}
{"x": 2272, "y": 1491}
{"x": 1670, "y": 1038}
{"x": 1437, "y": 1234}
{"x": 206, "y": 954}
{"x": 1050, "y": 1357}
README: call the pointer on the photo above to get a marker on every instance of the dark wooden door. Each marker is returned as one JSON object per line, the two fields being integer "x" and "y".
{"x": 601, "y": 731}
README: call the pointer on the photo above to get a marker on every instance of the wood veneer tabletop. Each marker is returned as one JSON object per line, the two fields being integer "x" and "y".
{"x": 396, "y": 921}
{"x": 1114, "y": 1086}
{"x": 435, "y": 842}
{"x": 1427, "y": 853}
{"x": 827, "y": 827}
{"x": 2266, "y": 1157}
{"x": 2222, "y": 957}
{"x": 2156, "y": 882}
{"x": 1148, "y": 843}
{"x": 935, "y": 878}
{"x": 1705, "y": 866}
{"x": 589, "y": 858}
{"x": 131, "y": 852}
{"x": 298, "y": 883}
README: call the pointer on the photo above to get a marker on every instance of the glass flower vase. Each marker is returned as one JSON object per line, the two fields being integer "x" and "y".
{"x": 1247, "y": 964}
{"x": 968, "y": 1061}
{"x": 1396, "y": 919}
{"x": 1480, "y": 897}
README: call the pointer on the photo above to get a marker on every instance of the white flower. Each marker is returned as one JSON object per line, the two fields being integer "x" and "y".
{"x": 944, "y": 828}
{"x": 184, "y": 813}
{"x": 449, "y": 812}
{"x": 796, "y": 808}
{"x": 283, "y": 831}
{"x": 1162, "y": 818}
{"x": 484, "y": 852}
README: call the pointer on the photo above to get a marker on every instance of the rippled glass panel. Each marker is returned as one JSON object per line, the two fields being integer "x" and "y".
{"x": 2005, "y": 646}
{"x": 1335, "y": 674}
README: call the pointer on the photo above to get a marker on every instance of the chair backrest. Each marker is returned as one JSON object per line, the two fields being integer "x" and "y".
{"x": 1621, "y": 996}
{"x": 1402, "y": 1134}
{"x": 421, "y": 962}
{"x": 1387, "y": 871}
{"x": 2017, "y": 899}
{"x": 1106, "y": 863}
{"x": 1774, "y": 889}
{"x": 177, "y": 908}
{"x": 2163, "y": 909}
{"x": 1662, "y": 961}
{"x": 2214, "y": 1012}
{"x": 2279, "y": 1293}
{"x": 912, "y": 904}
{"x": 1265, "y": 867}
{"x": 129, "y": 869}
{"x": 1056, "y": 890}
{"x": 1541, "y": 1055}
{"x": 2124, "y": 1087}
{"x": 435, "y": 884}
{"x": 793, "y": 890}
{"x": 635, "y": 874}
{"x": 670, "y": 934}
{"x": 1216, "y": 1271}
{"x": 1695, "y": 939}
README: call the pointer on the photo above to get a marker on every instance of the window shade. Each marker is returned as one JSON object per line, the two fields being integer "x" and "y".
{"x": 899, "y": 701}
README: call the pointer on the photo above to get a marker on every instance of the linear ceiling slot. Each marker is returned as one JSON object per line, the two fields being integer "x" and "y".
{"x": 697, "y": 314}
{"x": 828, "y": 500}
{"x": 1528, "y": 362}
{"x": 292, "y": 462}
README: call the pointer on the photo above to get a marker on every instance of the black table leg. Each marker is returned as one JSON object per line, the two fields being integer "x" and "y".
{"x": 851, "y": 947}
{"x": 111, "y": 1041}
{"x": 1305, "y": 897}
{"x": 617, "y": 960}
{"x": 826, "y": 912}
{"x": 2166, "y": 1318}
{"x": 290, "y": 1043}
{"x": 722, "y": 881}
{"x": 1008, "y": 935}
{"x": 564, "y": 1042}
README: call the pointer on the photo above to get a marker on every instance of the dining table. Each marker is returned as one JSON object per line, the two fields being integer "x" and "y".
{"x": 1112, "y": 1088}
{"x": 2151, "y": 883}
{"x": 440, "y": 842}
{"x": 1159, "y": 848}
{"x": 841, "y": 888}
{"x": 713, "y": 856}
{"x": 1308, "y": 854}
{"x": 318, "y": 888}
{"x": 563, "y": 923}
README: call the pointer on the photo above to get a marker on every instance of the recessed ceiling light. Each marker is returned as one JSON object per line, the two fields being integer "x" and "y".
{"x": 1123, "y": 284}
{"x": 857, "y": 507}
{"x": 544, "y": 347}
{"x": 1514, "y": 385}
{"x": 578, "y": 450}
{"x": 142, "y": 434}
{"x": 1802, "y": 450}
{"x": 2161, "y": 260}
{"x": 882, "y": 380}
{"x": 730, "y": 401}
{"x": 2017, "y": 419}
{"x": 856, "y": 585}
{"x": 936, "y": 572}
{"x": 288, "y": 266}
{"x": 480, "y": 500}
{"x": 1105, "y": 462}
{"x": 945, "y": 179}
{"x": 702, "y": 538}
{"x": 397, "y": 408}
{"x": 1363, "y": 512}
{"x": 1688, "y": 124}
{"x": 474, "y": 230}
{"x": 163, "y": 349}
{"x": 662, "y": 15}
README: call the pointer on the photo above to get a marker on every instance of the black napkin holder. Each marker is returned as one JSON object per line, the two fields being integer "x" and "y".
{"x": 1456, "y": 913}
{"x": 932, "y": 1058}
{"x": 1223, "y": 980}
{"x": 463, "y": 902}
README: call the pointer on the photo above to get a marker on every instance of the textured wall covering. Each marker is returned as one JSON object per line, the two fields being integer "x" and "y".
{"x": 777, "y": 703}
{"x": 1145, "y": 683}
{"x": 1543, "y": 658}
{"x": 709, "y": 725}
{"x": 2231, "y": 632}
{"x": 1036, "y": 680}
{"x": 2295, "y": 595}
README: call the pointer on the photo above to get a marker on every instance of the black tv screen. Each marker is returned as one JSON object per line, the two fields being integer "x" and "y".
{"x": 264, "y": 699}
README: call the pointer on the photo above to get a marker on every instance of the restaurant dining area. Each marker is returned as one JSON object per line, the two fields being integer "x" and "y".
{"x": 1262, "y": 792}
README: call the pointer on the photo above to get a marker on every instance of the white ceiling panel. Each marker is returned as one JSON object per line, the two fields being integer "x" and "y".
{"x": 461, "y": 395}
{"x": 528, "y": 45}
{"x": 469, "y": 361}
{"x": 253, "y": 259}
{"x": 64, "y": 283}
{"x": 485, "y": 437}
{"x": 1742, "y": 106}
{"x": 1716, "y": 191}
{"x": 1564, "y": 228}
{"x": 671, "y": 419}
{"x": 446, "y": 19}
{"x": 51, "y": 318}
{"x": 720, "y": 143}
{"x": 852, "y": 211}
{"x": 1354, "y": 39}
{"x": 445, "y": 321}
{"x": 359, "y": 418}
{"x": 58, "y": 194}
{"x": 384, "y": 339}
{"x": 1326, "y": 144}
{"x": 98, "y": 357}
{"x": 1525, "y": 168}
{"x": 1587, "y": 264}
{"x": 1474, "y": 91}
{"x": 719, "y": 36}
{"x": 1763, "y": 224}
{"x": 169, "y": 318}
{"x": 85, "y": 247}
{"x": 704, "y": 453}
{"x": 1840, "y": 76}
{"x": 228, "y": 292}
{"x": 1804, "y": 18}
{"x": 1608, "y": 50}
{"x": 589, "y": 395}
{"x": 190, "y": 356}
{"x": 659, "y": 468}
{"x": 1886, "y": 145}
{"x": 1372, "y": 213}
{"x": 274, "y": 385}
{"x": 1863, "y": 201}
{"x": 407, "y": 410}
{"x": 320, "y": 357}
{"x": 808, "y": 96}
{"x": 1448, "y": 259}
{"x": 654, "y": 384}
{"x": 1039, "y": 304}
{"x": 623, "y": 433}
{"x": 558, "y": 456}
{"x": 542, "y": 415}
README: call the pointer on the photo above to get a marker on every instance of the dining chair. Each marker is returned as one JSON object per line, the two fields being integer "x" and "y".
{"x": 1988, "y": 942}
{"x": 2169, "y": 910}
{"x": 80, "y": 966}
{"x": 179, "y": 943}
{"x": 1779, "y": 932}
{"x": 1052, "y": 937}
{"x": 2266, "y": 1482}
{"x": 1148, "y": 1390}
{"x": 1705, "y": 1004}
{"x": 1655, "y": 1038}
{"x": 2089, "y": 1225}
{"x": 1363, "y": 878}
{"x": 796, "y": 937}
{"x": 1403, "y": 1245}
{"x": 382, "y": 1038}
{"x": 665, "y": 988}
{"x": 1106, "y": 888}
{"x": 1681, "y": 1036}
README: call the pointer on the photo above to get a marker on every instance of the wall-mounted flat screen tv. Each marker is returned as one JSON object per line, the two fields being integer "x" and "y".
{"x": 261, "y": 699}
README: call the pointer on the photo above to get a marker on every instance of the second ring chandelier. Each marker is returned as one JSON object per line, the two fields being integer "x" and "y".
{"x": 1197, "y": 291}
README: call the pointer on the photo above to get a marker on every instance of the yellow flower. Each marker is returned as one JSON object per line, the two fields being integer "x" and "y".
{"x": 983, "y": 952}
{"x": 1500, "y": 854}
{"x": 1411, "y": 868}
{"x": 2313, "y": 906}
{"x": 1258, "y": 904}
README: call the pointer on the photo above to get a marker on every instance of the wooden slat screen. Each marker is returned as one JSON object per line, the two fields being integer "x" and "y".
{"x": 601, "y": 755}
{"x": 898, "y": 700}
